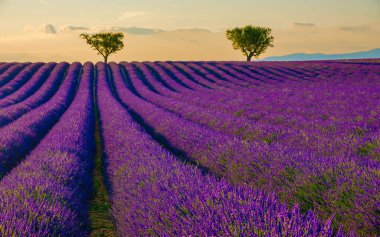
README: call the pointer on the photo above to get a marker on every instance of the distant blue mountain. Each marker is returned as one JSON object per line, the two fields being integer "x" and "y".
{"x": 374, "y": 53}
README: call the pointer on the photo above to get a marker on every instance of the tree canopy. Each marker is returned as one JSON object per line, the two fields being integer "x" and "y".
{"x": 251, "y": 40}
{"x": 105, "y": 43}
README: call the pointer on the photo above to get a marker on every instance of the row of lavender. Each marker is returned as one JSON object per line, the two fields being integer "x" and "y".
{"x": 189, "y": 108}
{"x": 47, "y": 194}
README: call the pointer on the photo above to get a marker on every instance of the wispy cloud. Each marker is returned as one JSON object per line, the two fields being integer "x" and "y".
{"x": 356, "y": 28}
{"x": 304, "y": 24}
{"x": 44, "y": 28}
{"x": 50, "y": 29}
{"x": 70, "y": 28}
{"x": 129, "y": 30}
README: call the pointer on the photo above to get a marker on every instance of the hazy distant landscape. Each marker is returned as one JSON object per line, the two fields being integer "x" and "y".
{"x": 375, "y": 53}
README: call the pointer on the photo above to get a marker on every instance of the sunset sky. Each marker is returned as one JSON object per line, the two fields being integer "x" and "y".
{"x": 326, "y": 26}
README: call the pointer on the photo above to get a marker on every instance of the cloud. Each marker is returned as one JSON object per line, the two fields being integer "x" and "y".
{"x": 305, "y": 27}
{"x": 50, "y": 29}
{"x": 129, "y": 30}
{"x": 373, "y": 27}
{"x": 193, "y": 30}
{"x": 44, "y": 28}
{"x": 69, "y": 28}
{"x": 141, "y": 31}
{"x": 29, "y": 28}
{"x": 131, "y": 15}
{"x": 304, "y": 24}
{"x": 356, "y": 28}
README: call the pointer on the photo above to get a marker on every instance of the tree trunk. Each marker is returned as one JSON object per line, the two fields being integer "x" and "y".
{"x": 105, "y": 59}
{"x": 249, "y": 57}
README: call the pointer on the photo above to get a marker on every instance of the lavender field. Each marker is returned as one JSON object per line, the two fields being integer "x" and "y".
{"x": 190, "y": 148}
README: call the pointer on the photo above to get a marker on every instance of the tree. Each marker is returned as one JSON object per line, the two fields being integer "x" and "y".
{"x": 251, "y": 40}
{"x": 105, "y": 43}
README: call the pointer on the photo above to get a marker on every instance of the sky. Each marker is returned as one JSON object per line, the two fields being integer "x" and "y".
{"x": 325, "y": 26}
